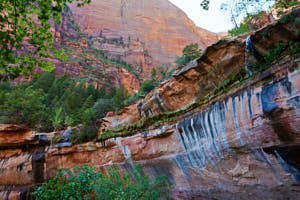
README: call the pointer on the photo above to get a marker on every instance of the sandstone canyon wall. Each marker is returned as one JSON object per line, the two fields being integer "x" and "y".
{"x": 241, "y": 142}
{"x": 141, "y": 33}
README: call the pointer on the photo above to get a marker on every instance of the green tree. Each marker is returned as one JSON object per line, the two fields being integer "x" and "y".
{"x": 205, "y": 3}
{"x": 148, "y": 86}
{"x": 101, "y": 93}
{"x": 59, "y": 86}
{"x": 48, "y": 103}
{"x": 189, "y": 53}
{"x": 243, "y": 5}
{"x": 90, "y": 90}
{"x": 242, "y": 28}
{"x": 286, "y": 3}
{"x": 162, "y": 71}
{"x": 119, "y": 97}
{"x": 25, "y": 38}
{"x": 44, "y": 81}
{"x": 242, "y": 10}
{"x": 57, "y": 118}
{"x": 87, "y": 183}
{"x": 25, "y": 105}
{"x": 102, "y": 106}
{"x": 5, "y": 86}
{"x": 153, "y": 73}
{"x": 88, "y": 115}
{"x": 89, "y": 102}
{"x": 69, "y": 121}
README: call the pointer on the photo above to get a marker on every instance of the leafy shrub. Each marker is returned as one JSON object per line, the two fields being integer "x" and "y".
{"x": 283, "y": 4}
{"x": 23, "y": 105}
{"x": 131, "y": 99}
{"x": 90, "y": 184}
{"x": 101, "y": 107}
{"x": 57, "y": 119}
{"x": 148, "y": 86}
{"x": 171, "y": 72}
{"x": 243, "y": 28}
{"x": 86, "y": 133}
{"x": 274, "y": 55}
{"x": 69, "y": 121}
{"x": 189, "y": 53}
{"x": 6, "y": 120}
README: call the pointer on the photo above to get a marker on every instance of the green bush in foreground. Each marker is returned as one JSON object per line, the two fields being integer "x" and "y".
{"x": 89, "y": 184}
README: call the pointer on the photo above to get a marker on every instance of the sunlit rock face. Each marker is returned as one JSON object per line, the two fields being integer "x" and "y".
{"x": 139, "y": 32}
{"x": 163, "y": 29}
{"x": 14, "y": 135}
{"x": 243, "y": 144}
{"x": 219, "y": 62}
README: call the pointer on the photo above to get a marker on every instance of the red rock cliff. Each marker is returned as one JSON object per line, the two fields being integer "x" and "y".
{"x": 140, "y": 32}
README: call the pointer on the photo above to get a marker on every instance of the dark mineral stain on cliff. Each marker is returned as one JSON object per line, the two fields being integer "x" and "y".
{"x": 38, "y": 161}
{"x": 288, "y": 158}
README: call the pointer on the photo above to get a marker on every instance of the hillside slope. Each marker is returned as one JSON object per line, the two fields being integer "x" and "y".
{"x": 141, "y": 33}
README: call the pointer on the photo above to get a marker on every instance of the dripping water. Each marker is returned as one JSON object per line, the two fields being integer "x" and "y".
{"x": 249, "y": 50}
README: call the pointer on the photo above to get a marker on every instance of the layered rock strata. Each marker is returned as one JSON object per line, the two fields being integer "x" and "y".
{"x": 103, "y": 38}
{"x": 160, "y": 29}
{"x": 242, "y": 144}
{"x": 141, "y": 33}
{"x": 220, "y": 62}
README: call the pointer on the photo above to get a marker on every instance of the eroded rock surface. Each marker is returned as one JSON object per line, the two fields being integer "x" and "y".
{"x": 218, "y": 63}
{"x": 14, "y": 135}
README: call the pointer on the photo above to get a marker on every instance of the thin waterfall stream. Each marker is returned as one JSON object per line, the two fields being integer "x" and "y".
{"x": 249, "y": 50}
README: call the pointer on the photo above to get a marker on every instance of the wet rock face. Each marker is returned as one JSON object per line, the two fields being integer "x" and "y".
{"x": 246, "y": 142}
{"x": 218, "y": 63}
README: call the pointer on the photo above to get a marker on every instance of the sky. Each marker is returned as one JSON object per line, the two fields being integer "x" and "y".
{"x": 213, "y": 20}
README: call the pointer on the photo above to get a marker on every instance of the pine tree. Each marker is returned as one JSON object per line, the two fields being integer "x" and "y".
{"x": 57, "y": 119}
{"x": 90, "y": 90}
{"x": 89, "y": 102}
{"x": 189, "y": 53}
{"x": 101, "y": 93}
{"x": 44, "y": 81}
